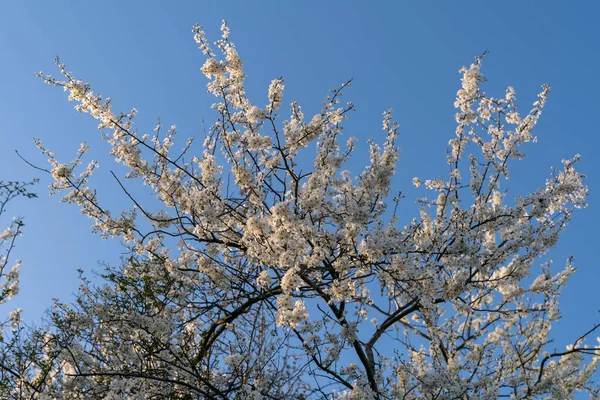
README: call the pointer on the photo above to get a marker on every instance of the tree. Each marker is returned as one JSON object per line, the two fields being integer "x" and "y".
{"x": 261, "y": 279}
{"x": 10, "y": 338}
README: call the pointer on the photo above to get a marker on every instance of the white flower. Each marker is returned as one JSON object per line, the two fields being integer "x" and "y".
{"x": 291, "y": 281}
{"x": 264, "y": 279}
{"x": 61, "y": 171}
{"x": 15, "y": 317}
{"x": 224, "y": 29}
{"x": 254, "y": 114}
{"x": 275, "y": 95}
{"x": 6, "y": 234}
{"x": 212, "y": 68}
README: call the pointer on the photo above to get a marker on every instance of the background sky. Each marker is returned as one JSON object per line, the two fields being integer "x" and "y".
{"x": 402, "y": 55}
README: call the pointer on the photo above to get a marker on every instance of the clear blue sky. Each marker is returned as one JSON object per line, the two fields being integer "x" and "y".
{"x": 401, "y": 54}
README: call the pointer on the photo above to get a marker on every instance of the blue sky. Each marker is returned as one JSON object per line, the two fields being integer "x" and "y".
{"x": 403, "y": 55}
